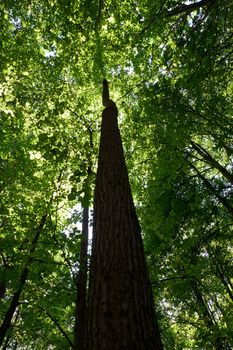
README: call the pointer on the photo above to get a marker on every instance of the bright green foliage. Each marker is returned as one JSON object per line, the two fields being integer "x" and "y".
{"x": 170, "y": 74}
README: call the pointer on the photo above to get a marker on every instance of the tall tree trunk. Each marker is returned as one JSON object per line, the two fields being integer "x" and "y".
{"x": 120, "y": 309}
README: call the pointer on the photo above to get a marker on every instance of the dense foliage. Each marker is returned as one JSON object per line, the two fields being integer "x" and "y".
{"x": 170, "y": 68}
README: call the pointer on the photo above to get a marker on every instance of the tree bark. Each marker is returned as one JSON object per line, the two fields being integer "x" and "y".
{"x": 120, "y": 309}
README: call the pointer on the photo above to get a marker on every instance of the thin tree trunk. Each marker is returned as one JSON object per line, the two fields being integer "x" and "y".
{"x": 80, "y": 313}
{"x": 207, "y": 317}
{"x": 120, "y": 309}
{"x": 6, "y": 324}
{"x": 221, "y": 271}
{"x": 81, "y": 280}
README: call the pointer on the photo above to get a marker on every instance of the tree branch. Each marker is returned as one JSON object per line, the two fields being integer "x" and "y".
{"x": 105, "y": 96}
{"x": 59, "y": 327}
{"x": 190, "y": 7}
{"x": 210, "y": 187}
{"x": 210, "y": 160}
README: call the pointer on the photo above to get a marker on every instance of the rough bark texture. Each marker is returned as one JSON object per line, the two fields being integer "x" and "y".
{"x": 120, "y": 312}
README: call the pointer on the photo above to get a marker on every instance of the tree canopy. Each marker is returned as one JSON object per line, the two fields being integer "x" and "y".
{"x": 170, "y": 70}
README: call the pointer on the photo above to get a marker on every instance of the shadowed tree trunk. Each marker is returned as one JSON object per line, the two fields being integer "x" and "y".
{"x": 81, "y": 280}
{"x": 6, "y": 323}
{"x": 120, "y": 306}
